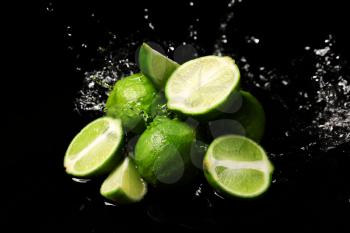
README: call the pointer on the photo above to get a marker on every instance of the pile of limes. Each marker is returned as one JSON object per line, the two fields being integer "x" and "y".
{"x": 152, "y": 106}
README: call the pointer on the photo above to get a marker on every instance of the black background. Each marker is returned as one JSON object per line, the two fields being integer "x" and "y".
{"x": 42, "y": 82}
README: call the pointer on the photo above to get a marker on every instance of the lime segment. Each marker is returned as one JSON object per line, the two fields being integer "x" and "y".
{"x": 95, "y": 149}
{"x": 124, "y": 184}
{"x": 237, "y": 166}
{"x": 202, "y": 85}
{"x": 155, "y": 65}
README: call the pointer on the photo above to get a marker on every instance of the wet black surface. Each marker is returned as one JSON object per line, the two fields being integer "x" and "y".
{"x": 311, "y": 188}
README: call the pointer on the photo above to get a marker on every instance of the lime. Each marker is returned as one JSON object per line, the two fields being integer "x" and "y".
{"x": 131, "y": 100}
{"x": 247, "y": 118}
{"x": 251, "y": 115}
{"x": 95, "y": 149}
{"x": 155, "y": 65}
{"x": 162, "y": 153}
{"x": 203, "y": 85}
{"x": 237, "y": 166}
{"x": 124, "y": 184}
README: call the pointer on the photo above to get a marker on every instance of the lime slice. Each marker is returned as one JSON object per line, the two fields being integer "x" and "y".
{"x": 132, "y": 100}
{"x": 237, "y": 166}
{"x": 124, "y": 184}
{"x": 202, "y": 85}
{"x": 96, "y": 149}
{"x": 155, "y": 65}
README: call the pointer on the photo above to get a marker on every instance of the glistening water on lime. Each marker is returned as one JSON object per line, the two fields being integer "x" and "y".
{"x": 206, "y": 89}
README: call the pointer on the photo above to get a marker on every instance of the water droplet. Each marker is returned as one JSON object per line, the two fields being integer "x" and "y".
{"x": 49, "y": 7}
{"x": 109, "y": 204}
{"x": 151, "y": 25}
{"x": 253, "y": 39}
{"x": 285, "y": 82}
{"x": 322, "y": 52}
{"x": 78, "y": 180}
{"x": 218, "y": 195}
{"x": 198, "y": 191}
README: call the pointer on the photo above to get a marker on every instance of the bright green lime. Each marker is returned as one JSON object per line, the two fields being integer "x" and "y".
{"x": 237, "y": 166}
{"x": 203, "y": 85}
{"x": 124, "y": 184}
{"x": 247, "y": 118}
{"x": 132, "y": 100}
{"x": 95, "y": 150}
{"x": 155, "y": 65}
{"x": 162, "y": 153}
{"x": 252, "y": 116}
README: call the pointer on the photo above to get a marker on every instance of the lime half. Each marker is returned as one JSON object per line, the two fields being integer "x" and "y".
{"x": 96, "y": 149}
{"x": 202, "y": 85}
{"x": 155, "y": 65}
{"x": 237, "y": 166}
{"x": 124, "y": 184}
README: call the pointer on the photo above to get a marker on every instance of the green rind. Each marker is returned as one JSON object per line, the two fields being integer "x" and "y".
{"x": 209, "y": 169}
{"x": 132, "y": 100}
{"x": 108, "y": 164}
{"x": 163, "y": 150}
{"x": 213, "y": 111}
{"x": 155, "y": 65}
{"x": 251, "y": 116}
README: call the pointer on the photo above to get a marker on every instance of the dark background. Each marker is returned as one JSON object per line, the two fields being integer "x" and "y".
{"x": 43, "y": 82}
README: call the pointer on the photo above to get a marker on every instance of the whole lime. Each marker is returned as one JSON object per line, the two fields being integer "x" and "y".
{"x": 252, "y": 116}
{"x": 162, "y": 153}
{"x": 247, "y": 118}
{"x": 132, "y": 100}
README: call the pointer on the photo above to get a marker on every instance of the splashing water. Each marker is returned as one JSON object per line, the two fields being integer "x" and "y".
{"x": 333, "y": 88}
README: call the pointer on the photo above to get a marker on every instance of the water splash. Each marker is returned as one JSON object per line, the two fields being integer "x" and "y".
{"x": 331, "y": 80}
{"x": 98, "y": 83}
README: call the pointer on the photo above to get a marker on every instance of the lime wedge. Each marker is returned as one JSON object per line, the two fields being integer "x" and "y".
{"x": 124, "y": 184}
{"x": 202, "y": 85}
{"x": 237, "y": 166}
{"x": 155, "y": 65}
{"x": 96, "y": 149}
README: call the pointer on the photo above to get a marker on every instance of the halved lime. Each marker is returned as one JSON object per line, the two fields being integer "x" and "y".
{"x": 132, "y": 100}
{"x": 155, "y": 65}
{"x": 124, "y": 184}
{"x": 202, "y": 85}
{"x": 237, "y": 166}
{"x": 95, "y": 150}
